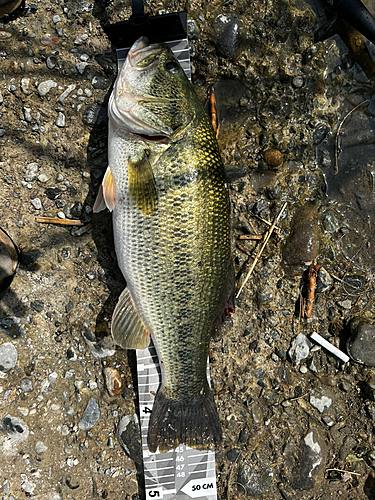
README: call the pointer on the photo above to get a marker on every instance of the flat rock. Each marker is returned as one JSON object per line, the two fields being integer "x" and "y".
{"x": 90, "y": 416}
{"x": 311, "y": 462}
{"x": 129, "y": 437}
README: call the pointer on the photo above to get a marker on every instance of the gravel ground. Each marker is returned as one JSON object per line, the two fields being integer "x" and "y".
{"x": 298, "y": 423}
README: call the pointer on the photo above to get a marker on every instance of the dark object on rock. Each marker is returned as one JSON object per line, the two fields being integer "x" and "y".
{"x": 302, "y": 244}
{"x": 8, "y": 6}
{"x": 311, "y": 462}
{"x": 273, "y": 157}
{"x": 361, "y": 343}
{"x": 229, "y": 34}
{"x": 8, "y": 261}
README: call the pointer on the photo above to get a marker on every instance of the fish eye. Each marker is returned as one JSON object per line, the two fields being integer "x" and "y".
{"x": 172, "y": 67}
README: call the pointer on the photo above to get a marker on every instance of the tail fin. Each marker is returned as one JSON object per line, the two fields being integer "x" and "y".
{"x": 193, "y": 422}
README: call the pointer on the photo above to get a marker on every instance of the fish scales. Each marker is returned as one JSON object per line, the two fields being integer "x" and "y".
{"x": 174, "y": 252}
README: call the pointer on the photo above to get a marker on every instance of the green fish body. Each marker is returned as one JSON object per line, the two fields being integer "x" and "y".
{"x": 165, "y": 184}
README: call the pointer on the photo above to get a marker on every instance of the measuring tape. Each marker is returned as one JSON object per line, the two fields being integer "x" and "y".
{"x": 183, "y": 472}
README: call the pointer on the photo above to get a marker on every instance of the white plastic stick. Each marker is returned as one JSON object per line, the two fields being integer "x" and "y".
{"x": 331, "y": 348}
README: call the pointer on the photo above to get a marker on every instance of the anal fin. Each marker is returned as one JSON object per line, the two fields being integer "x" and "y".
{"x": 128, "y": 329}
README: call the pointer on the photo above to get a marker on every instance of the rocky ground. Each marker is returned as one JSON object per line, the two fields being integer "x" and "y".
{"x": 298, "y": 423}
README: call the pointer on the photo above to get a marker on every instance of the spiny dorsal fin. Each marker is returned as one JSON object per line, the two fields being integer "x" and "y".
{"x": 142, "y": 187}
{"x": 106, "y": 194}
{"x": 128, "y": 329}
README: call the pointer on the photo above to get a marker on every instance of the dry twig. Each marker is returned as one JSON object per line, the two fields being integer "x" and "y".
{"x": 56, "y": 220}
{"x": 250, "y": 237}
{"x": 265, "y": 241}
{"x": 345, "y": 471}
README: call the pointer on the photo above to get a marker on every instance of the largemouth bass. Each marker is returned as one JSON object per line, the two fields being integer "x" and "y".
{"x": 165, "y": 185}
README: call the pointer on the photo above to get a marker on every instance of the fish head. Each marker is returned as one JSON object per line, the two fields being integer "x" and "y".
{"x": 152, "y": 95}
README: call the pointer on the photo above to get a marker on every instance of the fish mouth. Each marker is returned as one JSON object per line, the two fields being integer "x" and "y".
{"x": 144, "y": 55}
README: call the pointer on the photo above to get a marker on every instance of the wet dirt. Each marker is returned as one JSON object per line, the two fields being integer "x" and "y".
{"x": 297, "y": 423}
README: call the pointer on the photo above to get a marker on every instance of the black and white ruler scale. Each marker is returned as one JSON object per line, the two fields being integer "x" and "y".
{"x": 182, "y": 473}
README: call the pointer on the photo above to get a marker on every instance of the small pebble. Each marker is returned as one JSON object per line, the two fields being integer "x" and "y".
{"x": 49, "y": 40}
{"x": 40, "y": 448}
{"x": 90, "y": 416}
{"x": 45, "y": 87}
{"x": 27, "y": 114}
{"x": 36, "y": 203}
{"x": 320, "y": 403}
{"x": 60, "y": 121}
{"x": 92, "y": 385}
{"x": 43, "y": 178}
{"x": 81, "y": 66}
{"x": 25, "y": 82}
{"x": 273, "y": 157}
{"x": 113, "y": 381}
{"x": 302, "y": 244}
{"x": 51, "y": 62}
{"x": 299, "y": 349}
{"x": 297, "y": 82}
{"x": 26, "y": 385}
{"x": 32, "y": 171}
{"x": 52, "y": 377}
{"x": 8, "y": 356}
{"x": 71, "y": 354}
{"x": 28, "y": 487}
{"x": 328, "y": 420}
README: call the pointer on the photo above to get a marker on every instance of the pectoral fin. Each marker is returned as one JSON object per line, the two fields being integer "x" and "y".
{"x": 106, "y": 195}
{"x": 142, "y": 188}
{"x": 128, "y": 329}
